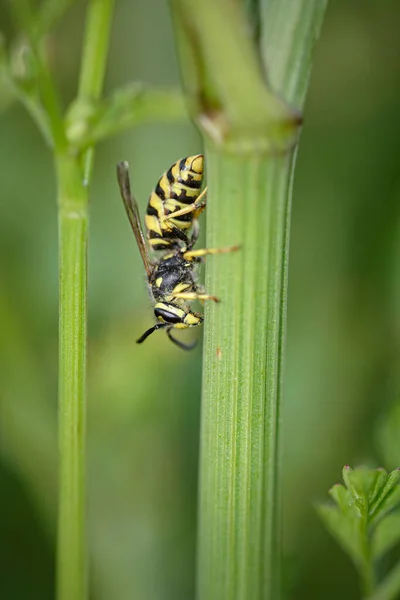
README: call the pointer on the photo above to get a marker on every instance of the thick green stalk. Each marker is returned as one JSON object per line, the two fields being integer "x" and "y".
{"x": 250, "y": 136}
{"x": 238, "y": 508}
{"x": 224, "y": 81}
{"x": 73, "y": 228}
{"x": 290, "y": 31}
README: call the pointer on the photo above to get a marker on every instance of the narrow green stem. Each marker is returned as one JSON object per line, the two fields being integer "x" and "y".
{"x": 136, "y": 105}
{"x": 367, "y": 577}
{"x": 95, "y": 49}
{"x": 366, "y": 568}
{"x": 48, "y": 101}
{"x": 94, "y": 61}
{"x": 52, "y": 105}
{"x": 248, "y": 199}
{"x": 34, "y": 108}
{"x": 48, "y": 14}
{"x": 73, "y": 228}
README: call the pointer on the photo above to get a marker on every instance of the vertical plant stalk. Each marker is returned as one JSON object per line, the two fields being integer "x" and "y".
{"x": 73, "y": 229}
{"x": 250, "y": 141}
{"x": 366, "y": 569}
{"x": 73, "y": 194}
{"x": 95, "y": 50}
{"x": 239, "y": 454}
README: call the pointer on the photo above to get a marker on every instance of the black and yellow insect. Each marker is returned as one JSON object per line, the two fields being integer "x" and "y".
{"x": 178, "y": 189}
{"x": 172, "y": 231}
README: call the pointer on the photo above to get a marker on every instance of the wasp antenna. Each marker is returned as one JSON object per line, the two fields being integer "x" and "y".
{"x": 150, "y": 331}
{"x": 180, "y": 344}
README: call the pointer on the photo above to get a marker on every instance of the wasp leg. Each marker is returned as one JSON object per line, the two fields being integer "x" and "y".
{"x": 180, "y": 344}
{"x": 195, "y": 296}
{"x": 197, "y": 207}
{"x": 191, "y": 254}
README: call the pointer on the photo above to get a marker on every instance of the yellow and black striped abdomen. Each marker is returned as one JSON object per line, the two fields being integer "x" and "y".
{"x": 177, "y": 187}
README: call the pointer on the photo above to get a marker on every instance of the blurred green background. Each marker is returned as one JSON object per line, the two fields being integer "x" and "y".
{"x": 144, "y": 401}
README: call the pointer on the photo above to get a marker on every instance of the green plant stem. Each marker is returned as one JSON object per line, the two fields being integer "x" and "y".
{"x": 290, "y": 31}
{"x": 224, "y": 82}
{"x": 367, "y": 577}
{"x": 243, "y": 335}
{"x": 73, "y": 228}
{"x": 95, "y": 49}
{"x": 48, "y": 14}
{"x": 47, "y": 100}
{"x": 366, "y": 567}
{"x": 128, "y": 107}
{"x": 52, "y": 104}
{"x": 250, "y": 135}
{"x": 94, "y": 60}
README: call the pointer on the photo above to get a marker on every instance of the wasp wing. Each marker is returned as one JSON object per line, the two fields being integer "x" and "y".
{"x": 132, "y": 211}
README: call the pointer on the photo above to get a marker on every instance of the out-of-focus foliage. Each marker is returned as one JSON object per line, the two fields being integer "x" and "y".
{"x": 365, "y": 518}
{"x": 343, "y": 334}
{"x": 387, "y": 436}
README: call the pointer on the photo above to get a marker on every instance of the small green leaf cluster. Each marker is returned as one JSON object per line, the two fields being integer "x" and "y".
{"x": 365, "y": 518}
{"x": 90, "y": 122}
{"x": 26, "y": 75}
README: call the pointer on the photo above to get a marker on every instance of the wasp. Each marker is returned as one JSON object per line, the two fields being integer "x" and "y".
{"x": 172, "y": 230}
